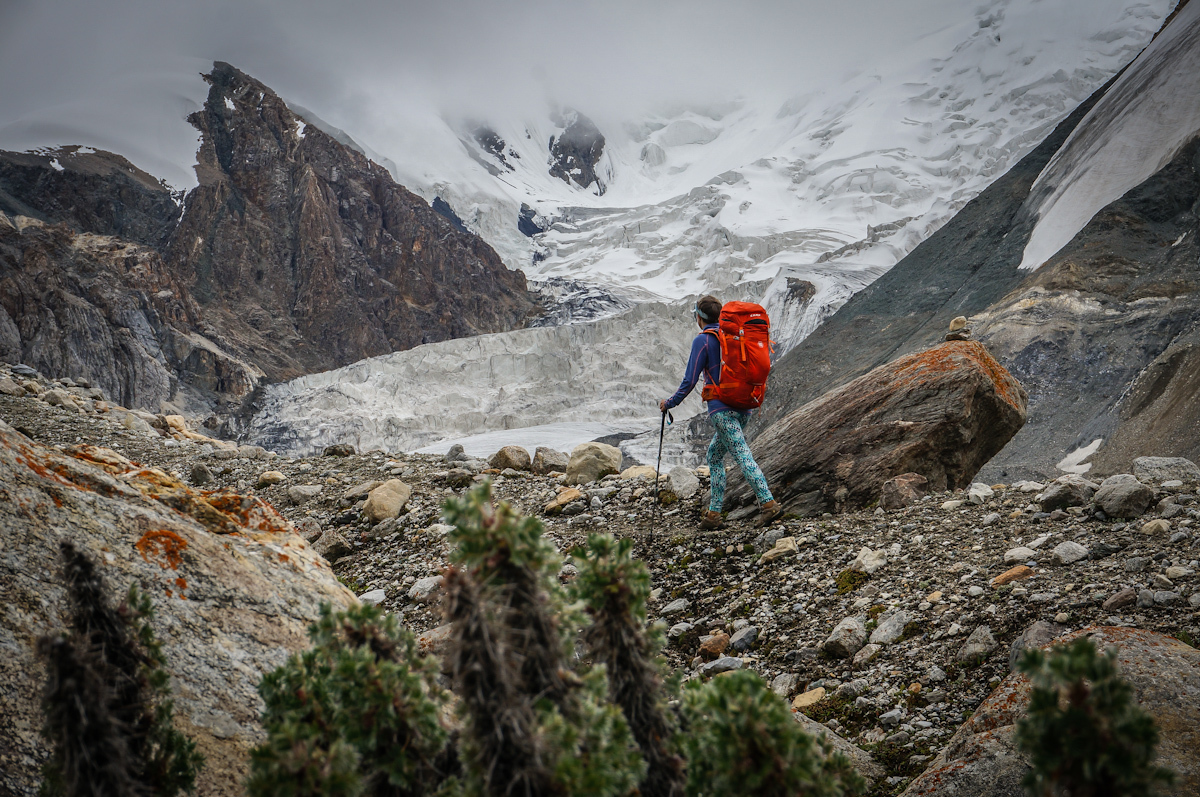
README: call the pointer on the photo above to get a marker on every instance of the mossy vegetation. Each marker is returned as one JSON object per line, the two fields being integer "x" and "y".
{"x": 849, "y": 580}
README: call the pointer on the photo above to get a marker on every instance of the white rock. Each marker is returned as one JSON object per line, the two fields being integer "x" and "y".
{"x": 425, "y": 589}
{"x": 374, "y": 597}
{"x": 1066, "y": 553}
{"x": 1020, "y": 554}
{"x": 869, "y": 561}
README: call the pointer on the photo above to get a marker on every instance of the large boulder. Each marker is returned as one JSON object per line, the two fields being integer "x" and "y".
{"x": 982, "y": 757}
{"x": 1161, "y": 469}
{"x": 234, "y": 590}
{"x": 941, "y": 413}
{"x": 1124, "y": 496}
{"x": 387, "y": 500}
{"x": 591, "y": 462}
{"x": 548, "y": 460}
{"x": 1067, "y": 490}
{"x": 513, "y": 457}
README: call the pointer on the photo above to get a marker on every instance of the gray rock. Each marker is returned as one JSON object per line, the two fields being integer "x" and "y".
{"x": 1145, "y": 599}
{"x": 936, "y": 674}
{"x": 387, "y": 500}
{"x": 678, "y": 630}
{"x": 784, "y": 684}
{"x": 1161, "y": 469}
{"x": 978, "y": 644}
{"x": 990, "y": 519}
{"x": 677, "y": 606}
{"x": 1019, "y": 554}
{"x": 1166, "y": 597}
{"x": 869, "y": 561}
{"x": 300, "y": 493}
{"x": 383, "y": 529}
{"x": 455, "y": 454}
{"x": 1120, "y": 600}
{"x": 1136, "y": 564}
{"x": 332, "y": 546}
{"x": 852, "y": 689}
{"x": 891, "y": 718}
{"x": 744, "y": 639}
{"x": 1123, "y": 496}
{"x": 723, "y": 664}
{"x": 890, "y": 628}
{"x": 1067, "y": 553}
{"x": 865, "y": 654}
{"x": 10, "y": 388}
{"x": 547, "y": 460}
{"x": 1065, "y": 491}
{"x": 847, "y": 638}
{"x": 425, "y": 589}
{"x": 1038, "y": 635}
{"x": 359, "y": 492}
{"x": 200, "y": 475}
{"x": 374, "y": 597}
{"x": 683, "y": 482}
{"x": 310, "y": 529}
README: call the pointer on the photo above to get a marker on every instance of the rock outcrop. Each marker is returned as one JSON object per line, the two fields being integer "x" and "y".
{"x": 982, "y": 757}
{"x": 234, "y": 589}
{"x": 575, "y": 153}
{"x": 941, "y": 413}
{"x": 294, "y": 254}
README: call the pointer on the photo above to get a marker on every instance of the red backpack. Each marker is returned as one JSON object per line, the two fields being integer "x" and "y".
{"x": 745, "y": 336}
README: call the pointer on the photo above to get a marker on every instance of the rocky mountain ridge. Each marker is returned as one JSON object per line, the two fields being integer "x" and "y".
{"x": 294, "y": 254}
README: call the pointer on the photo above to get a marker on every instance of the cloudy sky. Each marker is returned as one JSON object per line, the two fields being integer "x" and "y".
{"x": 358, "y": 61}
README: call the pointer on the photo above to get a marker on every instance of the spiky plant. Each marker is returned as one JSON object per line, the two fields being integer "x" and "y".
{"x": 512, "y": 639}
{"x": 359, "y": 713}
{"x": 614, "y": 587}
{"x": 1084, "y": 734}
{"x": 109, "y": 717}
{"x": 743, "y": 740}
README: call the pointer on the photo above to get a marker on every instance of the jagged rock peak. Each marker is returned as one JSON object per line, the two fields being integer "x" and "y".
{"x": 575, "y": 153}
{"x": 312, "y": 256}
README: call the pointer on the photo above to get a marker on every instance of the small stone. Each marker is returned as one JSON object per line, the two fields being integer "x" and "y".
{"x": 332, "y": 546}
{"x": 683, "y": 482}
{"x": 1145, "y": 599}
{"x": 200, "y": 475}
{"x": 934, "y": 597}
{"x": 936, "y": 674}
{"x": 714, "y": 646}
{"x": 783, "y": 546}
{"x": 458, "y": 478}
{"x": 979, "y": 643}
{"x": 1175, "y": 572}
{"x": 1156, "y": 527}
{"x": 1162, "y": 582}
{"x": 10, "y": 388}
{"x": 991, "y": 519}
{"x": 1123, "y": 496}
{"x": 809, "y": 698}
{"x": 1066, "y": 553}
{"x": 1061, "y": 617}
{"x": 456, "y": 454}
{"x": 563, "y": 500}
{"x": 677, "y": 606}
{"x": 865, "y": 654}
{"x": 547, "y": 460}
{"x": 356, "y": 494}
{"x": 847, "y": 638}
{"x": 338, "y": 450}
{"x": 1020, "y": 554}
{"x": 975, "y": 591}
{"x": 678, "y": 630}
{"x": 1159, "y": 469}
{"x": 891, "y": 718}
{"x": 1136, "y": 564}
{"x": 1165, "y": 597}
{"x": 374, "y": 597}
{"x": 309, "y": 529}
{"x": 744, "y": 639}
{"x": 784, "y": 684}
{"x": 723, "y": 664}
{"x": 387, "y": 500}
{"x": 1065, "y": 491}
{"x": 869, "y": 561}
{"x": 890, "y": 628}
{"x": 268, "y": 478}
{"x": 1120, "y": 600}
{"x": 300, "y": 493}
{"x": 425, "y": 589}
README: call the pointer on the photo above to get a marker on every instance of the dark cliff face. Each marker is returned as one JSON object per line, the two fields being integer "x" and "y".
{"x": 89, "y": 190}
{"x": 575, "y": 152}
{"x": 294, "y": 254}
{"x": 307, "y": 254}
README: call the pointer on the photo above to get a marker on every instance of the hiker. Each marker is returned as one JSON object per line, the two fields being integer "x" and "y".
{"x": 705, "y": 358}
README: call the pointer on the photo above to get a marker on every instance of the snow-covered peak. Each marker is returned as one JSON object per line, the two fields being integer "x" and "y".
{"x": 1139, "y": 125}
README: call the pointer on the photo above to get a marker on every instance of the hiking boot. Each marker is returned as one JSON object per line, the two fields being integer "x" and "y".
{"x": 712, "y": 520}
{"x": 768, "y": 512}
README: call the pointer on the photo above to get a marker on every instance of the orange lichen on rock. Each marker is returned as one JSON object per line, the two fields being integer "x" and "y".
{"x": 250, "y": 513}
{"x": 162, "y": 547}
{"x": 105, "y": 458}
{"x": 950, "y": 356}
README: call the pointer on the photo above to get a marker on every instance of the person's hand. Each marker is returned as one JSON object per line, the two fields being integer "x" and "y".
{"x": 662, "y": 405}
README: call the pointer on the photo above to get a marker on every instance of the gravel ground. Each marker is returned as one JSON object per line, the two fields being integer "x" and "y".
{"x": 942, "y": 631}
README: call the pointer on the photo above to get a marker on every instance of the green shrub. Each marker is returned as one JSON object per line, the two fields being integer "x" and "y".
{"x": 108, "y": 713}
{"x": 358, "y": 713}
{"x": 1084, "y": 734}
{"x": 744, "y": 740}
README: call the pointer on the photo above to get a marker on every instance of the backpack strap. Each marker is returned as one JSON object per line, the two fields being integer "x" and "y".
{"x": 716, "y": 333}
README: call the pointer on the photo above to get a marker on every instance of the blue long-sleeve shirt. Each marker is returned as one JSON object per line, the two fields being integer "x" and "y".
{"x": 705, "y": 358}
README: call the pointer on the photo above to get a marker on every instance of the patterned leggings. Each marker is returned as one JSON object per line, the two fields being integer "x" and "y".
{"x": 730, "y": 440}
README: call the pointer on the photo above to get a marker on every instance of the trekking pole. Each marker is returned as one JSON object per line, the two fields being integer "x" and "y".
{"x": 662, "y": 430}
